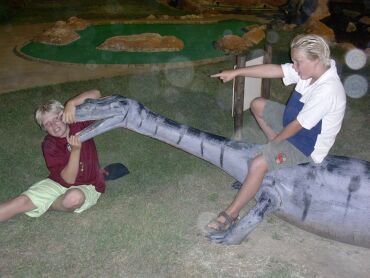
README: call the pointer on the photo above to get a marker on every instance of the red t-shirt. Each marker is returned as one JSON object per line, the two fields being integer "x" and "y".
{"x": 57, "y": 151}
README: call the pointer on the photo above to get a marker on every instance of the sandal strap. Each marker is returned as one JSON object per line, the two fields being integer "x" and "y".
{"x": 228, "y": 219}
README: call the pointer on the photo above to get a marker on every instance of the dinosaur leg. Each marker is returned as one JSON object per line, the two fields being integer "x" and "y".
{"x": 266, "y": 203}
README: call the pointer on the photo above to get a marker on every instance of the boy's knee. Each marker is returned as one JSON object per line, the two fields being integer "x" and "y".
{"x": 258, "y": 164}
{"x": 23, "y": 203}
{"x": 19, "y": 204}
{"x": 73, "y": 198}
{"x": 257, "y": 105}
{"x": 23, "y": 200}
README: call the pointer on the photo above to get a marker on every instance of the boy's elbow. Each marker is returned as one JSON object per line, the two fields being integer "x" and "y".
{"x": 92, "y": 94}
{"x": 67, "y": 178}
{"x": 97, "y": 93}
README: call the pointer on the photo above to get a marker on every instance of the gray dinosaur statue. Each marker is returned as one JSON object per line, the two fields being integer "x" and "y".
{"x": 331, "y": 199}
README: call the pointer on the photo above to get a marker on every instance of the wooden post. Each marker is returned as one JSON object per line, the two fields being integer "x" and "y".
{"x": 267, "y": 59}
{"x": 239, "y": 99}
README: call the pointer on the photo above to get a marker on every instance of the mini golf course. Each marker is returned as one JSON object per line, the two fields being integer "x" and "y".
{"x": 198, "y": 41}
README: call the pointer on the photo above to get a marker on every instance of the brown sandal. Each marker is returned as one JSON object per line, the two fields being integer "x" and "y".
{"x": 221, "y": 226}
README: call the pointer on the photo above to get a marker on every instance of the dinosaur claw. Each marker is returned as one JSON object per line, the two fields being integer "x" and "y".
{"x": 218, "y": 238}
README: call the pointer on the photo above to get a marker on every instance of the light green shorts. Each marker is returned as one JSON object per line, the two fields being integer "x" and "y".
{"x": 45, "y": 192}
{"x": 283, "y": 154}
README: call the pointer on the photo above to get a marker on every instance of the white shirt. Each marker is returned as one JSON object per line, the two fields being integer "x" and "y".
{"x": 324, "y": 100}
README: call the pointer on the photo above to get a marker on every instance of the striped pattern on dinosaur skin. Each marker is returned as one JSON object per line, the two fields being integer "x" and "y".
{"x": 330, "y": 199}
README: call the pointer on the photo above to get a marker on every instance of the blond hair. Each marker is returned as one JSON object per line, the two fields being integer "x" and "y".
{"x": 52, "y": 106}
{"x": 314, "y": 46}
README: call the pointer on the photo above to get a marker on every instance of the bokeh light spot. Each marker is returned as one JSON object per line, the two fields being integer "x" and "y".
{"x": 272, "y": 37}
{"x": 171, "y": 95}
{"x": 227, "y": 32}
{"x": 180, "y": 77}
{"x": 356, "y": 86}
{"x": 355, "y": 59}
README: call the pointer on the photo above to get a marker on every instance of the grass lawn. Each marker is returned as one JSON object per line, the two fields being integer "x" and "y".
{"x": 148, "y": 214}
{"x": 146, "y": 222}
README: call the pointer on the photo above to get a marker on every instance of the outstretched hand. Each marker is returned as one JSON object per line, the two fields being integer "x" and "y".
{"x": 225, "y": 75}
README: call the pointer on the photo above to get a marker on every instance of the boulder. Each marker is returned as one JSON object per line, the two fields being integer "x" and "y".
{"x": 59, "y": 34}
{"x": 365, "y": 20}
{"x": 346, "y": 45}
{"x": 62, "y": 32}
{"x": 317, "y": 27}
{"x": 321, "y": 11}
{"x": 146, "y": 42}
{"x": 232, "y": 44}
{"x": 351, "y": 27}
{"x": 255, "y": 34}
{"x": 76, "y": 23}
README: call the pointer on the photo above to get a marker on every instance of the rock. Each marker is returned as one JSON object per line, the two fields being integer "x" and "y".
{"x": 232, "y": 44}
{"x": 277, "y": 24}
{"x": 317, "y": 27}
{"x": 146, "y": 42}
{"x": 321, "y": 11}
{"x": 61, "y": 35}
{"x": 62, "y": 32}
{"x": 351, "y": 27}
{"x": 60, "y": 24}
{"x": 250, "y": 27}
{"x": 365, "y": 20}
{"x": 289, "y": 27}
{"x": 151, "y": 17}
{"x": 77, "y": 23}
{"x": 191, "y": 16}
{"x": 346, "y": 45}
{"x": 351, "y": 13}
{"x": 255, "y": 34}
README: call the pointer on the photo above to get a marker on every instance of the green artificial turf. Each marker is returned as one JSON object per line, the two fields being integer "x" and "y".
{"x": 198, "y": 41}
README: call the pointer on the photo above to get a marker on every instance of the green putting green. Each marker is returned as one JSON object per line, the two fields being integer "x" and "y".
{"x": 197, "y": 38}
